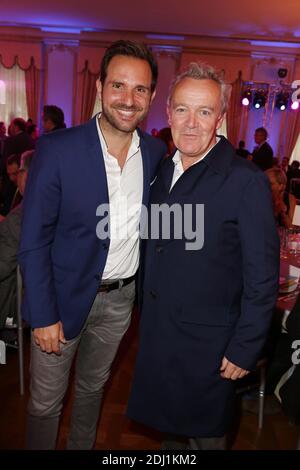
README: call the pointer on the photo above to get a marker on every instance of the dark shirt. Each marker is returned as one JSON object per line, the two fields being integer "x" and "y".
{"x": 242, "y": 152}
{"x": 263, "y": 156}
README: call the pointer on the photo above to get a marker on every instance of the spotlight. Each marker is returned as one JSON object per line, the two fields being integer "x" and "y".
{"x": 260, "y": 99}
{"x": 282, "y": 73}
{"x": 282, "y": 99}
{"x": 246, "y": 98}
{"x": 295, "y": 105}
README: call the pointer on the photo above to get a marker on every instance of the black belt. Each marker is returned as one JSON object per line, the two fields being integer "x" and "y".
{"x": 107, "y": 287}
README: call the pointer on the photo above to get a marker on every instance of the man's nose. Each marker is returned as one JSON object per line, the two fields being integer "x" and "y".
{"x": 191, "y": 120}
{"x": 128, "y": 97}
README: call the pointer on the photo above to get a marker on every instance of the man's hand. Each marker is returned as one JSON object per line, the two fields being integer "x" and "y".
{"x": 231, "y": 371}
{"x": 49, "y": 337}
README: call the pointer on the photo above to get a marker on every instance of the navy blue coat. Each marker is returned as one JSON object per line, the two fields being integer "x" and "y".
{"x": 204, "y": 304}
{"x": 61, "y": 257}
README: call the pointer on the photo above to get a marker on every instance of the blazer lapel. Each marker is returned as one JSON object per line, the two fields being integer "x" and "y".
{"x": 96, "y": 161}
{"x": 185, "y": 185}
{"x": 166, "y": 176}
{"x": 205, "y": 177}
{"x": 146, "y": 170}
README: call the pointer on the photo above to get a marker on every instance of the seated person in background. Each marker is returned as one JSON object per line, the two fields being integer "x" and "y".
{"x": 10, "y": 196}
{"x": 284, "y": 203}
{"x": 53, "y": 118}
{"x": 18, "y": 141}
{"x": 3, "y": 137}
{"x": 9, "y": 243}
{"x": 284, "y": 164}
{"x": 241, "y": 151}
{"x": 292, "y": 172}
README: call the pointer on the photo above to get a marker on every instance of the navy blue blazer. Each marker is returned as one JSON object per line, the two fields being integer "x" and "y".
{"x": 61, "y": 258}
{"x": 201, "y": 305}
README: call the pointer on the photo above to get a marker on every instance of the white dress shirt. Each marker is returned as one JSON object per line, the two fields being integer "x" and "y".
{"x": 125, "y": 190}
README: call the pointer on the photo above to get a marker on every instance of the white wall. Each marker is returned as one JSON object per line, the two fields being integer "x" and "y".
{"x": 59, "y": 88}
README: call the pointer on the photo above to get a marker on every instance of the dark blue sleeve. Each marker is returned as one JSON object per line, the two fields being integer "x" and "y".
{"x": 260, "y": 252}
{"x": 40, "y": 213}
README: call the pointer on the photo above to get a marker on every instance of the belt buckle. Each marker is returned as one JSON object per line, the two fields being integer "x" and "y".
{"x": 103, "y": 288}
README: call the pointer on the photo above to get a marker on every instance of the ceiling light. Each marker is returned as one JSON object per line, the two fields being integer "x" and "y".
{"x": 259, "y": 99}
{"x": 282, "y": 99}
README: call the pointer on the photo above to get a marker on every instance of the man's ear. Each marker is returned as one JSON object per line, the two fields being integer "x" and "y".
{"x": 220, "y": 121}
{"x": 152, "y": 96}
{"x": 169, "y": 116}
{"x": 99, "y": 87}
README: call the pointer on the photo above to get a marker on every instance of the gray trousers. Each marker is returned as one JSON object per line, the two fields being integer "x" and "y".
{"x": 96, "y": 347}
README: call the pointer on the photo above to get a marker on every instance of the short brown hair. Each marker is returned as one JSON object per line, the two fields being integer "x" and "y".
{"x": 130, "y": 49}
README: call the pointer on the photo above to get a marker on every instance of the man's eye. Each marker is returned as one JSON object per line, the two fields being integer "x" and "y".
{"x": 180, "y": 110}
{"x": 116, "y": 85}
{"x": 141, "y": 90}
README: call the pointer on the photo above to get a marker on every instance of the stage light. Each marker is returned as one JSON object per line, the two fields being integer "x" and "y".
{"x": 246, "y": 98}
{"x": 282, "y": 73}
{"x": 295, "y": 105}
{"x": 260, "y": 99}
{"x": 282, "y": 99}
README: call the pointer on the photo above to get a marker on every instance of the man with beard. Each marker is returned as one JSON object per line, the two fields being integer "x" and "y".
{"x": 79, "y": 250}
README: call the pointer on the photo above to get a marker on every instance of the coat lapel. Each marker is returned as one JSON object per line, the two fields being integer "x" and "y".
{"x": 201, "y": 180}
{"x": 96, "y": 161}
{"x": 146, "y": 169}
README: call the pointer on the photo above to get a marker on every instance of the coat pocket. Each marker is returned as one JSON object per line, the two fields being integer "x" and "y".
{"x": 209, "y": 316}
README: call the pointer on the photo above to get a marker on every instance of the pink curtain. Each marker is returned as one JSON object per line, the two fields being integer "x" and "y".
{"x": 32, "y": 81}
{"x": 87, "y": 91}
{"x": 234, "y": 113}
{"x": 292, "y": 133}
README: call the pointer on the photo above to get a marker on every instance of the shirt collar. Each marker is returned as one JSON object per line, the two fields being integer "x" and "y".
{"x": 177, "y": 157}
{"x": 135, "y": 141}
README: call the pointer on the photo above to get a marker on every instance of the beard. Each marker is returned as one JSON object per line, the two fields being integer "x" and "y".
{"x": 123, "y": 125}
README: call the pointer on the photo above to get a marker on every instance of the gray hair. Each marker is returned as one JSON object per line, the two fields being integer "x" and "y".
{"x": 202, "y": 71}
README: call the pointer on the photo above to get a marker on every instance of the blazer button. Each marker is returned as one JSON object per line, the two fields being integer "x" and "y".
{"x": 153, "y": 294}
{"x": 97, "y": 277}
{"x": 159, "y": 249}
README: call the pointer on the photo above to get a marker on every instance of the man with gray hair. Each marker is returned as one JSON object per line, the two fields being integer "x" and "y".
{"x": 206, "y": 311}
